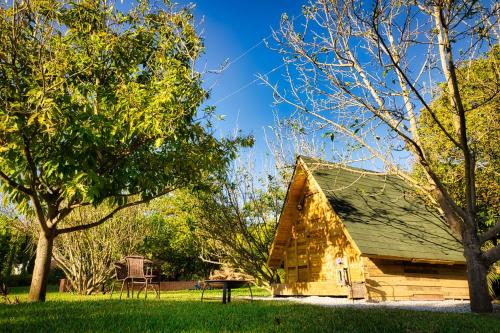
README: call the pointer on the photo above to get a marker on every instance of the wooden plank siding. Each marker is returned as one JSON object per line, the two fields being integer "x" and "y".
{"x": 321, "y": 288}
{"x": 404, "y": 280}
{"x": 281, "y": 241}
{"x": 316, "y": 241}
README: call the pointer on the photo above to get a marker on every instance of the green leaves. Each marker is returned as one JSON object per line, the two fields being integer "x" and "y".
{"x": 104, "y": 104}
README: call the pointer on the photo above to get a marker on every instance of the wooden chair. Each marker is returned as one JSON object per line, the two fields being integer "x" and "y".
{"x": 153, "y": 274}
{"x": 137, "y": 275}
{"x": 121, "y": 274}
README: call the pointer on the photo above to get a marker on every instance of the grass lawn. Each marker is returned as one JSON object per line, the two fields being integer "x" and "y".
{"x": 183, "y": 312}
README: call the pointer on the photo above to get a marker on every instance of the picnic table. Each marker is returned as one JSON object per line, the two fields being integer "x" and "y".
{"x": 226, "y": 286}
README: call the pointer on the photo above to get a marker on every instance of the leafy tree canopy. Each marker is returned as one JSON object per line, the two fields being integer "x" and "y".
{"x": 96, "y": 103}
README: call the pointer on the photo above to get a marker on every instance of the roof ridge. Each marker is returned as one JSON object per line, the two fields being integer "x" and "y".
{"x": 337, "y": 165}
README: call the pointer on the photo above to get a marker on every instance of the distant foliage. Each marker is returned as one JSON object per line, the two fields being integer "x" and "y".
{"x": 15, "y": 249}
{"x": 479, "y": 85}
{"x": 171, "y": 238}
{"x": 159, "y": 230}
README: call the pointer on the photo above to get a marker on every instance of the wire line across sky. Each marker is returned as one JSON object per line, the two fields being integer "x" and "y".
{"x": 241, "y": 56}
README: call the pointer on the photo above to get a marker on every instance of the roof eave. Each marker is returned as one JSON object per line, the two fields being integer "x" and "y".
{"x": 415, "y": 260}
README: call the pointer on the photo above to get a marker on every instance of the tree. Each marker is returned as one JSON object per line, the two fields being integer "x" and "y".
{"x": 480, "y": 93}
{"x": 361, "y": 72}
{"x": 86, "y": 257}
{"x": 479, "y": 88}
{"x": 291, "y": 137}
{"x": 15, "y": 247}
{"x": 171, "y": 237}
{"x": 236, "y": 222}
{"x": 99, "y": 106}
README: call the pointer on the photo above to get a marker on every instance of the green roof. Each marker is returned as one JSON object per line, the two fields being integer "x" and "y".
{"x": 384, "y": 215}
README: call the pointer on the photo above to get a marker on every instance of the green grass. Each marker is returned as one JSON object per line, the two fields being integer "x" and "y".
{"x": 183, "y": 312}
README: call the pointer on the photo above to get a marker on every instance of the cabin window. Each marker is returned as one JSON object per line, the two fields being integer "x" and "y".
{"x": 346, "y": 275}
{"x": 342, "y": 276}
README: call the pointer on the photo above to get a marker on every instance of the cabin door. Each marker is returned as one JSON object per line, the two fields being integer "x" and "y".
{"x": 297, "y": 258}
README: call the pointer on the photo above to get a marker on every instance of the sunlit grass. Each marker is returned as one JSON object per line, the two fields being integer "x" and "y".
{"x": 182, "y": 311}
{"x": 182, "y": 295}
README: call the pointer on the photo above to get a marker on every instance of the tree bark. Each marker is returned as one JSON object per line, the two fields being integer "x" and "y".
{"x": 477, "y": 270}
{"x": 38, "y": 287}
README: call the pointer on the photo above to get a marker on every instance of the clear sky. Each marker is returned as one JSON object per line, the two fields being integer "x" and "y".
{"x": 232, "y": 28}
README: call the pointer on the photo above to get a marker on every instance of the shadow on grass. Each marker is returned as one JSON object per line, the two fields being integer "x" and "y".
{"x": 183, "y": 312}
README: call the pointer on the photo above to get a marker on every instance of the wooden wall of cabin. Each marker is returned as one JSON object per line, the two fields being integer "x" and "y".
{"x": 404, "y": 280}
{"x": 317, "y": 249}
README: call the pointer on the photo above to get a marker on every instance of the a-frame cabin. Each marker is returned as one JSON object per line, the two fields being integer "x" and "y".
{"x": 356, "y": 233}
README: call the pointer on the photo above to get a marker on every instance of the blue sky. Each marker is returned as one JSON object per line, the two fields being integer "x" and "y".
{"x": 230, "y": 29}
{"x": 234, "y": 30}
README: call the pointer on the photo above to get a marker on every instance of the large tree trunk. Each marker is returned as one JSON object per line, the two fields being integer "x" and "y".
{"x": 38, "y": 287}
{"x": 480, "y": 300}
